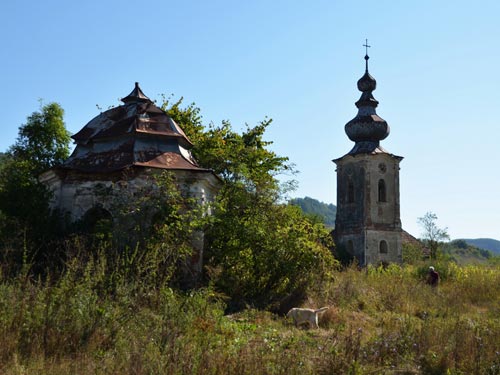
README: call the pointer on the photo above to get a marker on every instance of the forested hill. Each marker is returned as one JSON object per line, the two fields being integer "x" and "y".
{"x": 485, "y": 243}
{"x": 315, "y": 207}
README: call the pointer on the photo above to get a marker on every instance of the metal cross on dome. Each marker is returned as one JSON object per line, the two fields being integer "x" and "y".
{"x": 366, "y": 54}
{"x": 366, "y": 46}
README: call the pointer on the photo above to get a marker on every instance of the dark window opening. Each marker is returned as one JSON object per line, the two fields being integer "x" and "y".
{"x": 382, "y": 196}
{"x": 350, "y": 192}
{"x": 97, "y": 220}
{"x": 383, "y": 247}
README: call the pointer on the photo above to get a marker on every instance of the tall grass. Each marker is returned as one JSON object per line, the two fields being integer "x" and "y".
{"x": 95, "y": 319}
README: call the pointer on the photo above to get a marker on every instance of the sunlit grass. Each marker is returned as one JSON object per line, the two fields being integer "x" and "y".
{"x": 381, "y": 321}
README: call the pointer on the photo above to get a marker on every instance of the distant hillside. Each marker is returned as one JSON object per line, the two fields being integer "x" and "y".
{"x": 485, "y": 243}
{"x": 464, "y": 253}
{"x": 314, "y": 207}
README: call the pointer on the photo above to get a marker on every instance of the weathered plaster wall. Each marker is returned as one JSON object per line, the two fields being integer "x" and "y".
{"x": 75, "y": 194}
{"x": 364, "y": 217}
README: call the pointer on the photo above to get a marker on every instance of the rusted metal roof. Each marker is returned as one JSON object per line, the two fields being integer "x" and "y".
{"x": 136, "y": 95}
{"x": 137, "y": 133}
{"x": 132, "y": 117}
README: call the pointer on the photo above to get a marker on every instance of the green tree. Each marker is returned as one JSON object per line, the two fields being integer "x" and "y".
{"x": 42, "y": 143}
{"x": 412, "y": 253}
{"x": 3, "y": 159}
{"x": 432, "y": 234}
{"x": 264, "y": 251}
{"x": 258, "y": 250}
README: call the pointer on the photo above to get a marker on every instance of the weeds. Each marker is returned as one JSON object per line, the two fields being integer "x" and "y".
{"x": 94, "y": 319}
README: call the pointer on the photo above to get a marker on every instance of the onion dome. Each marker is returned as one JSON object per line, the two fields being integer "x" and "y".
{"x": 367, "y": 129}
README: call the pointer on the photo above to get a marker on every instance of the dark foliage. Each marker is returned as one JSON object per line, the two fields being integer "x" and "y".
{"x": 28, "y": 228}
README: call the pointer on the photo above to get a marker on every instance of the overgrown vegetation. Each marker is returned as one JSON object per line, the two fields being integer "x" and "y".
{"x": 28, "y": 228}
{"x": 107, "y": 296}
{"x": 259, "y": 250}
{"x": 383, "y": 321}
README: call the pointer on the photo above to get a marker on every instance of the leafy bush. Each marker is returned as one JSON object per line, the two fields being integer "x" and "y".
{"x": 263, "y": 253}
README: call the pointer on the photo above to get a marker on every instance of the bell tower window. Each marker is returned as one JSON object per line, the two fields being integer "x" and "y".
{"x": 350, "y": 192}
{"x": 382, "y": 195}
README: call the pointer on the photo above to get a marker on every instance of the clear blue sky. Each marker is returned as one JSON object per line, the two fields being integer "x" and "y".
{"x": 297, "y": 62}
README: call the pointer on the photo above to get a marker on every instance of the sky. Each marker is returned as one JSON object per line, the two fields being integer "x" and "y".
{"x": 297, "y": 62}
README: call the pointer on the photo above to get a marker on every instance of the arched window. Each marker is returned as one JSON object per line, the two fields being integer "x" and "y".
{"x": 382, "y": 196}
{"x": 97, "y": 220}
{"x": 383, "y": 247}
{"x": 350, "y": 192}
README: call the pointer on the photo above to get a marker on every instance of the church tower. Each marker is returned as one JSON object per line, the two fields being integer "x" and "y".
{"x": 368, "y": 224}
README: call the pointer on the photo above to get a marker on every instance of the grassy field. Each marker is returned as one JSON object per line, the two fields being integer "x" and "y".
{"x": 381, "y": 321}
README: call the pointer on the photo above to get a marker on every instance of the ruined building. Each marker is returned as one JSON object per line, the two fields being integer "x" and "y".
{"x": 117, "y": 151}
{"x": 368, "y": 224}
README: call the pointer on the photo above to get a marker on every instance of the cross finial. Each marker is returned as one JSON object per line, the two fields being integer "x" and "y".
{"x": 366, "y": 46}
{"x": 366, "y": 53}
